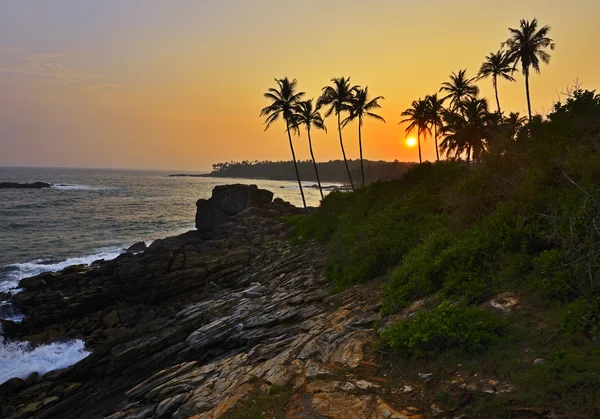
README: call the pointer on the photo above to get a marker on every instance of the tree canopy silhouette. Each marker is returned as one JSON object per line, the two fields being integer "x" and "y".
{"x": 361, "y": 106}
{"x": 283, "y": 101}
{"x": 527, "y": 45}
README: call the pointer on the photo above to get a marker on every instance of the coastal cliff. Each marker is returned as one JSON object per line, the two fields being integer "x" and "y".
{"x": 195, "y": 323}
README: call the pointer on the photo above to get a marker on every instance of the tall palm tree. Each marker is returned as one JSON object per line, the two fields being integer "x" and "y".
{"x": 360, "y": 107}
{"x": 499, "y": 64}
{"x": 309, "y": 116}
{"x": 459, "y": 88}
{"x": 527, "y": 45}
{"x": 283, "y": 100}
{"x": 435, "y": 112}
{"x": 417, "y": 117}
{"x": 339, "y": 98}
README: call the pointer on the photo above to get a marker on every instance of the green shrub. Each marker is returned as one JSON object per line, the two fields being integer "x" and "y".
{"x": 446, "y": 328}
{"x": 420, "y": 273}
{"x": 568, "y": 380}
{"x": 583, "y": 317}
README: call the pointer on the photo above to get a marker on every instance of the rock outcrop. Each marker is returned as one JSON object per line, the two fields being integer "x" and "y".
{"x": 230, "y": 200}
{"x": 194, "y": 324}
{"x": 15, "y": 185}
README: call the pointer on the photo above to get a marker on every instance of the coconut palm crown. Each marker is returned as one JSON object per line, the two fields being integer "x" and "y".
{"x": 362, "y": 106}
{"x": 339, "y": 99}
{"x": 310, "y": 116}
{"x": 497, "y": 65}
{"x": 284, "y": 99}
{"x": 527, "y": 45}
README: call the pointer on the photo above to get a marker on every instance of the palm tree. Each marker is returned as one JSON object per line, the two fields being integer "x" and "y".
{"x": 526, "y": 45}
{"x": 305, "y": 114}
{"x": 283, "y": 100}
{"x": 360, "y": 107}
{"x": 497, "y": 64}
{"x": 467, "y": 131}
{"x": 459, "y": 88}
{"x": 435, "y": 111}
{"x": 339, "y": 98}
{"x": 514, "y": 122}
{"x": 417, "y": 117}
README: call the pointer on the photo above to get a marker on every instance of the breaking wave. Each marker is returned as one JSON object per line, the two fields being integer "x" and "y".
{"x": 19, "y": 359}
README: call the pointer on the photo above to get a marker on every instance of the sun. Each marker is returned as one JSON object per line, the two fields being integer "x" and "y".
{"x": 411, "y": 141}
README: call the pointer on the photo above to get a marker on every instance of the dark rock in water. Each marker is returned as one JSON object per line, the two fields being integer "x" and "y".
{"x": 11, "y": 386}
{"x": 137, "y": 247}
{"x": 33, "y": 283}
{"x": 32, "y": 379}
{"x": 228, "y": 200}
{"x": 14, "y": 185}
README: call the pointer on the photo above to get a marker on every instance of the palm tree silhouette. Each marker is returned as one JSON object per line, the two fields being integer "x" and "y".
{"x": 526, "y": 45}
{"x": 435, "y": 111}
{"x": 360, "y": 107}
{"x": 339, "y": 98}
{"x": 283, "y": 99}
{"x": 499, "y": 64}
{"x": 459, "y": 88}
{"x": 305, "y": 114}
{"x": 514, "y": 122}
{"x": 467, "y": 131}
{"x": 417, "y": 117}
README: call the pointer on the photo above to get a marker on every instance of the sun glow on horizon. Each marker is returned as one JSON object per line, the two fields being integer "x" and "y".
{"x": 411, "y": 141}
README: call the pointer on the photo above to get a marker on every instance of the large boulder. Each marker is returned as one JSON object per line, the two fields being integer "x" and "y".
{"x": 228, "y": 200}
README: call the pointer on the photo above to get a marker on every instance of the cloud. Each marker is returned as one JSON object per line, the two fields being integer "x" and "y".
{"x": 18, "y": 66}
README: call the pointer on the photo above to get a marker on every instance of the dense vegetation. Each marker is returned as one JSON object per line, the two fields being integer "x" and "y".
{"x": 524, "y": 219}
{"x": 331, "y": 171}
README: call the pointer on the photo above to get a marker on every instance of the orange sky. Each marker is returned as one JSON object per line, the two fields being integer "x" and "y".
{"x": 178, "y": 85}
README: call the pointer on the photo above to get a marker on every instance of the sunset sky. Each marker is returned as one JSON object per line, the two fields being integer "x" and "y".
{"x": 178, "y": 84}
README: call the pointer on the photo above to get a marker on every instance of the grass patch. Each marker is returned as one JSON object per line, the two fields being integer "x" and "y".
{"x": 258, "y": 404}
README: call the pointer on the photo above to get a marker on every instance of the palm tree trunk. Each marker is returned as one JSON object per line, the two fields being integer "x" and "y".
{"x": 314, "y": 162}
{"x": 296, "y": 166}
{"x": 343, "y": 152}
{"x": 468, "y": 155}
{"x": 437, "y": 153}
{"x": 527, "y": 92}
{"x": 419, "y": 142}
{"x": 496, "y": 90}
{"x": 362, "y": 169}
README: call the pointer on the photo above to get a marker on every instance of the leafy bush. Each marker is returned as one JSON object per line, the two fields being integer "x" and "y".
{"x": 583, "y": 317}
{"x": 445, "y": 328}
{"x": 570, "y": 379}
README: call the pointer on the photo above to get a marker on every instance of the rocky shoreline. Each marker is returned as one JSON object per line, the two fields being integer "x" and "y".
{"x": 193, "y": 323}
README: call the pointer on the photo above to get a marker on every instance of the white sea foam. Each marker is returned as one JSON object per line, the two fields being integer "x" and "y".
{"x": 15, "y": 272}
{"x": 18, "y": 359}
{"x": 71, "y": 187}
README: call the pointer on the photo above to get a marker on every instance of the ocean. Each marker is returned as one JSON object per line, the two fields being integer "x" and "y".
{"x": 91, "y": 214}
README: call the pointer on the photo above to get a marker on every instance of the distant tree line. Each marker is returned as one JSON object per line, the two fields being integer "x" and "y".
{"x": 331, "y": 171}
